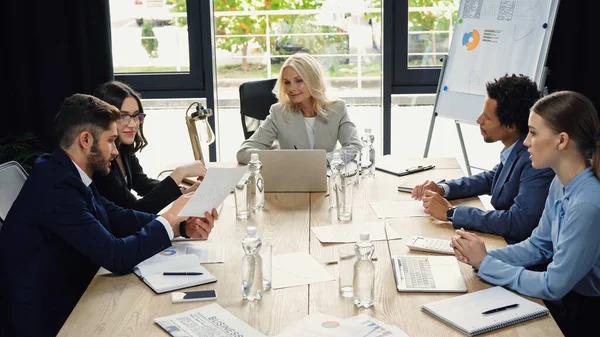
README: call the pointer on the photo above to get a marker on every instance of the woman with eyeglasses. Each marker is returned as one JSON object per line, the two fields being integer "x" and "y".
{"x": 126, "y": 173}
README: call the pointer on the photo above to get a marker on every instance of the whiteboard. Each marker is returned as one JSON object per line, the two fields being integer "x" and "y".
{"x": 492, "y": 38}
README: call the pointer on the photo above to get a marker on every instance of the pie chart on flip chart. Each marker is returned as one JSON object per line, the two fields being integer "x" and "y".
{"x": 471, "y": 39}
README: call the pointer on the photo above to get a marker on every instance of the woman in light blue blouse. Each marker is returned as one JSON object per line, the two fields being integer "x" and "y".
{"x": 563, "y": 135}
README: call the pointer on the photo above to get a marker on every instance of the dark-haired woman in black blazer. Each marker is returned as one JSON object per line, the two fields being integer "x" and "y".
{"x": 126, "y": 173}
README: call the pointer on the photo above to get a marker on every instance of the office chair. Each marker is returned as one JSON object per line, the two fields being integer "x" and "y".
{"x": 12, "y": 178}
{"x": 256, "y": 98}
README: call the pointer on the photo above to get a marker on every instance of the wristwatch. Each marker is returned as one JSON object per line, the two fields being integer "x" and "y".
{"x": 450, "y": 213}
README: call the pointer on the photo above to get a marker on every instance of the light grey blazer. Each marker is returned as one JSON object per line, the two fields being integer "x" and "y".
{"x": 289, "y": 130}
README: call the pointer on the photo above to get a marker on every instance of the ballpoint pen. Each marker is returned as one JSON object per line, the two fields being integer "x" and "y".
{"x": 500, "y": 309}
{"x": 186, "y": 273}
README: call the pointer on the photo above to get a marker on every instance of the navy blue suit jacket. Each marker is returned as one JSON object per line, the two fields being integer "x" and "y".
{"x": 55, "y": 237}
{"x": 518, "y": 192}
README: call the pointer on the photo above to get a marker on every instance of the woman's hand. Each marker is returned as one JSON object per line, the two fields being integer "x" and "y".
{"x": 192, "y": 188}
{"x": 468, "y": 248}
{"x": 194, "y": 169}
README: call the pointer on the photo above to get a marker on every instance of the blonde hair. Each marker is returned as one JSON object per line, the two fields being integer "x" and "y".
{"x": 313, "y": 76}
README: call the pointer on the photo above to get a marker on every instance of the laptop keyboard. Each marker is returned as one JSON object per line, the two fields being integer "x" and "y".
{"x": 417, "y": 272}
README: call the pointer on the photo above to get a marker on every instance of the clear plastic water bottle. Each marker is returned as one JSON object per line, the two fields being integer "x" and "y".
{"x": 256, "y": 187}
{"x": 337, "y": 166}
{"x": 364, "y": 272}
{"x": 252, "y": 278}
{"x": 367, "y": 158}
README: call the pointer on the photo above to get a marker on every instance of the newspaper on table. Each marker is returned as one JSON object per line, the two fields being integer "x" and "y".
{"x": 208, "y": 321}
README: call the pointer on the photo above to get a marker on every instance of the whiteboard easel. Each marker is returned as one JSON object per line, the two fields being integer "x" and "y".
{"x": 464, "y": 107}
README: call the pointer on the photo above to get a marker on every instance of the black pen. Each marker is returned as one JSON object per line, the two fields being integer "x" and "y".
{"x": 500, "y": 309}
{"x": 415, "y": 170}
{"x": 185, "y": 273}
{"x": 295, "y": 148}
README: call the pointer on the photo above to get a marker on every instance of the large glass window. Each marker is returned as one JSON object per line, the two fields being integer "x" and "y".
{"x": 430, "y": 24}
{"x": 149, "y": 36}
{"x": 253, "y": 39}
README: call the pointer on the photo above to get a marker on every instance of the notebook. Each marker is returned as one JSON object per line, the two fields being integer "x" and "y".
{"x": 466, "y": 312}
{"x": 294, "y": 170}
{"x": 151, "y": 272}
{"x": 424, "y": 273}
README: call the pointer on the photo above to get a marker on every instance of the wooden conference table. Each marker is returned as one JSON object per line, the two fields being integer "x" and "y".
{"x": 124, "y": 306}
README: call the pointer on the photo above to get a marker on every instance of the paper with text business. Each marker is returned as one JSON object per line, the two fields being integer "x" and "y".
{"x": 211, "y": 320}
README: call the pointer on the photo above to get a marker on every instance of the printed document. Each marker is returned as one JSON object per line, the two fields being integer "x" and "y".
{"x": 295, "y": 269}
{"x": 398, "y": 209}
{"x": 208, "y": 321}
{"x": 215, "y": 187}
{"x": 318, "y": 324}
{"x": 349, "y": 233}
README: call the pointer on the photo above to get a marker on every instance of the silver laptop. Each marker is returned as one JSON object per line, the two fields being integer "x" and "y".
{"x": 424, "y": 273}
{"x": 294, "y": 170}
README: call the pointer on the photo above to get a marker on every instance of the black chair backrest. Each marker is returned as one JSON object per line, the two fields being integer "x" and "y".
{"x": 256, "y": 98}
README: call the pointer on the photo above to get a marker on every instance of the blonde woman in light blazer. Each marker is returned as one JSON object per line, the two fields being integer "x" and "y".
{"x": 305, "y": 117}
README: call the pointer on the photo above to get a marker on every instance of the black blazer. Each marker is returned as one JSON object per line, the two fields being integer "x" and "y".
{"x": 57, "y": 234}
{"x": 155, "y": 194}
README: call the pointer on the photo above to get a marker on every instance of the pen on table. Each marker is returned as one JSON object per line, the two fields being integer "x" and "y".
{"x": 186, "y": 273}
{"x": 295, "y": 148}
{"x": 500, "y": 309}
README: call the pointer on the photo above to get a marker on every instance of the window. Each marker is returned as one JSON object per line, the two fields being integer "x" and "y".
{"x": 156, "y": 46}
{"x": 421, "y": 37}
{"x": 253, "y": 40}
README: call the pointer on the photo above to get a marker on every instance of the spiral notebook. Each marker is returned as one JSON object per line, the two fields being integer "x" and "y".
{"x": 484, "y": 310}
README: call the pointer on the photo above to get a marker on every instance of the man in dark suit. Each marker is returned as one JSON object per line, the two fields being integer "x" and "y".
{"x": 59, "y": 230}
{"x": 518, "y": 190}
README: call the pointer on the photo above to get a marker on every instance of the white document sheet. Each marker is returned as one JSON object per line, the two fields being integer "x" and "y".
{"x": 296, "y": 269}
{"x": 318, "y": 324}
{"x": 210, "y": 320}
{"x": 206, "y": 251}
{"x": 398, "y": 209}
{"x": 350, "y": 233}
{"x": 215, "y": 187}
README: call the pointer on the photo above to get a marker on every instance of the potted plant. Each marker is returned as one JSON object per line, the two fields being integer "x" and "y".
{"x": 23, "y": 149}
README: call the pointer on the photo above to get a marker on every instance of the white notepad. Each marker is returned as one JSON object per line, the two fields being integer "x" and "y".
{"x": 465, "y": 312}
{"x": 151, "y": 272}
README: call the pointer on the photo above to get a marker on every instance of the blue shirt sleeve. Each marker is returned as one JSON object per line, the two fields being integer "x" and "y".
{"x": 576, "y": 251}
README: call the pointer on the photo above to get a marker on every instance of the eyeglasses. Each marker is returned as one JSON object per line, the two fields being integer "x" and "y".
{"x": 126, "y": 118}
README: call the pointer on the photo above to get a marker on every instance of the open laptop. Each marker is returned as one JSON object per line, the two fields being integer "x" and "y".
{"x": 294, "y": 170}
{"x": 424, "y": 273}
